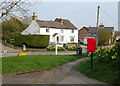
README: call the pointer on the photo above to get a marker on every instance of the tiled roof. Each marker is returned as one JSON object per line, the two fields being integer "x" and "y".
{"x": 93, "y": 30}
{"x": 57, "y": 23}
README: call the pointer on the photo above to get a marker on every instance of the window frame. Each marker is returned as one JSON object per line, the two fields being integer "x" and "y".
{"x": 62, "y": 38}
{"x": 72, "y": 31}
{"x": 47, "y": 30}
{"x": 72, "y": 37}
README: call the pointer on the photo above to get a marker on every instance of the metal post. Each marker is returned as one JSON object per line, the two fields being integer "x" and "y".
{"x": 91, "y": 60}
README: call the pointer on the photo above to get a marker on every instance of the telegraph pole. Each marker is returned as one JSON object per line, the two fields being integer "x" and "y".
{"x": 98, "y": 14}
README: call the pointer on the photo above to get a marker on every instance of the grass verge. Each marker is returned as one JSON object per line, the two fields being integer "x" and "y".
{"x": 19, "y": 64}
{"x": 101, "y": 71}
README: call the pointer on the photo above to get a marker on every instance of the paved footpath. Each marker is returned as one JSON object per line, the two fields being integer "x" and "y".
{"x": 65, "y": 74}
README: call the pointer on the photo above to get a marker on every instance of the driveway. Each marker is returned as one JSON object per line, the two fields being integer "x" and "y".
{"x": 65, "y": 74}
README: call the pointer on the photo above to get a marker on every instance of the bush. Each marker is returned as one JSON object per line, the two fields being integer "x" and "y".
{"x": 12, "y": 27}
{"x": 106, "y": 54}
{"x": 40, "y": 41}
{"x": 52, "y": 48}
{"x": 71, "y": 48}
{"x": 73, "y": 43}
{"x": 7, "y": 38}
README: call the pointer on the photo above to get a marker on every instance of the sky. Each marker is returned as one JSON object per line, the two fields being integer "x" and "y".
{"x": 79, "y": 13}
{"x": 119, "y": 17}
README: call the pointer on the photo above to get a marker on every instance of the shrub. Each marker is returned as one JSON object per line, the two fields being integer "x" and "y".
{"x": 52, "y": 48}
{"x": 106, "y": 54}
{"x": 7, "y": 38}
{"x": 12, "y": 27}
{"x": 40, "y": 41}
{"x": 73, "y": 43}
{"x": 71, "y": 48}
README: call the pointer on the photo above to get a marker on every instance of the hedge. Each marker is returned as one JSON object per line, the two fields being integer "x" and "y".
{"x": 40, "y": 41}
{"x": 7, "y": 38}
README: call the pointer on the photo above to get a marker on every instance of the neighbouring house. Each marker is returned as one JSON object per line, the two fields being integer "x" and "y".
{"x": 86, "y": 32}
{"x": 83, "y": 32}
{"x": 59, "y": 30}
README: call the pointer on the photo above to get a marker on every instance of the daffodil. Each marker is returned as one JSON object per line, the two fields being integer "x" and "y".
{"x": 115, "y": 53}
{"x": 106, "y": 54}
{"x": 89, "y": 54}
{"x": 113, "y": 57}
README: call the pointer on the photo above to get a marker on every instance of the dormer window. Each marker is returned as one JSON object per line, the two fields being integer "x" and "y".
{"x": 47, "y": 30}
{"x": 72, "y": 31}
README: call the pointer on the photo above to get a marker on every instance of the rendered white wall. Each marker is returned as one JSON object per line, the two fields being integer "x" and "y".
{"x": 33, "y": 28}
{"x": 66, "y": 33}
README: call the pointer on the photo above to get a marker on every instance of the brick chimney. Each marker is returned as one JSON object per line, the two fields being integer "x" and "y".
{"x": 34, "y": 17}
{"x": 101, "y": 26}
{"x": 61, "y": 20}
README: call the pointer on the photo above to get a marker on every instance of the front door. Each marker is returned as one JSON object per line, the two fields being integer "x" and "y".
{"x": 57, "y": 39}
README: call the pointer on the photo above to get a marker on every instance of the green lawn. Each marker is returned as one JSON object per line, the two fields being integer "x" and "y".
{"x": 101, "y": 71}
{"x": 18, "y": 64}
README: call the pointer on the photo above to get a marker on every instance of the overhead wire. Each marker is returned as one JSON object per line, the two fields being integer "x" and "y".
{"x": 109, "y": 15}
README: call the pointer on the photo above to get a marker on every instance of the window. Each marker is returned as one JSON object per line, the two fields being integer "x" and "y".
{"x": 72, "y": 31}
{"x": 86, "y": 31}
{"x": 72, "y": 38}
{"x": 61, "y": 30}
{"x": 47, "y": 30}
{"x": 62, "y": 38}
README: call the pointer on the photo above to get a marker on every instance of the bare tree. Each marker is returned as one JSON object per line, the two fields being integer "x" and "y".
{"x": 15, "y": 8}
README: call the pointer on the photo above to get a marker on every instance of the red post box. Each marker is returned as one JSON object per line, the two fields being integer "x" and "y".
{"x": 91, "y": 45}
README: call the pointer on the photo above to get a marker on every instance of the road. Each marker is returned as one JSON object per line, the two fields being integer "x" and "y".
{"x": 39, "y": 53}
{"x": 65, "y": 74}
{"x": 7, "y": 51}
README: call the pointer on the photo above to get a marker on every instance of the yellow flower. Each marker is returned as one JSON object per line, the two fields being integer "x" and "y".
{"x": 89, "y": 54}
{"x": 19, "y": 54}
{"x": 97, "y": 50}
{"x": 113, "y": 57}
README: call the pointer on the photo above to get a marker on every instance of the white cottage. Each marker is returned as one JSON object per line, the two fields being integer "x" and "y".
{"x": 59, "y": 30}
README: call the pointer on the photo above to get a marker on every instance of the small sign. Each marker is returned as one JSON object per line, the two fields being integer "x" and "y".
{"x": 91, "y": 45}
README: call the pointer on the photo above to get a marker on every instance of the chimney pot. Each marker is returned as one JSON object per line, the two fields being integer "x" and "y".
{"x": 34, "y": 17}
{"x": 101, "y": 26}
